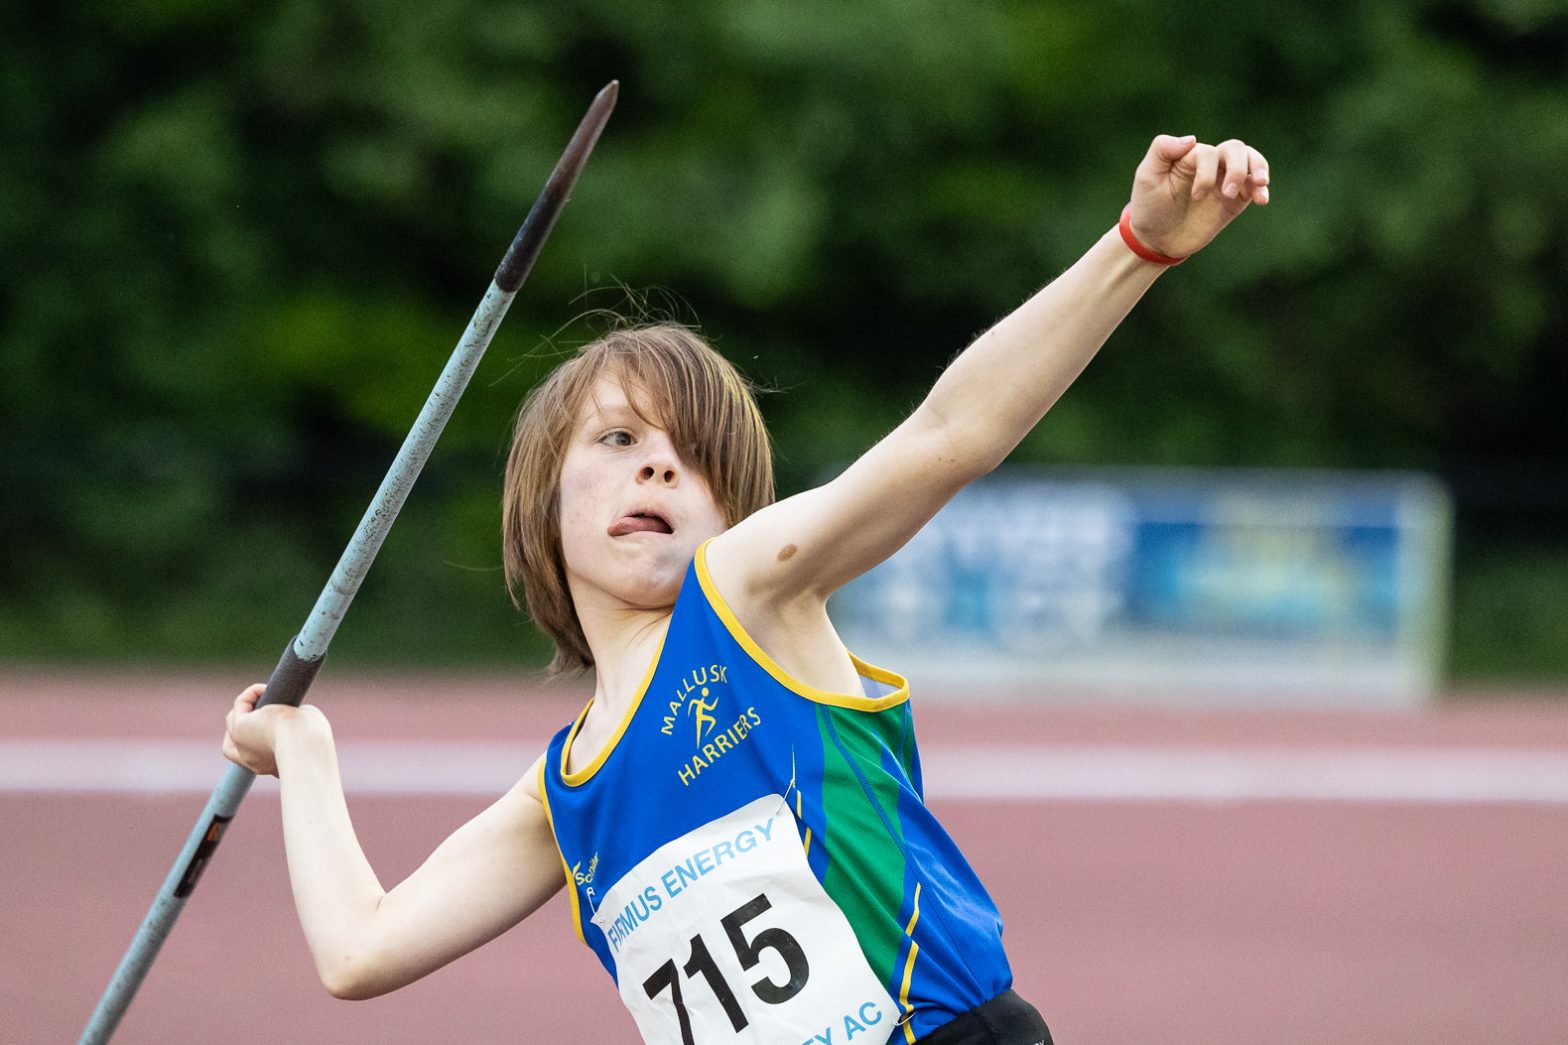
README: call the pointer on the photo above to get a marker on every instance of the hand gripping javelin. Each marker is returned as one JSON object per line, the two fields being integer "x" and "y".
{"x": 303, "y": 656}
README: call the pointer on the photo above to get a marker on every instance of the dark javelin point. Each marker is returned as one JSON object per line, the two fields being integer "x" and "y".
{"x": 520, "y": 257}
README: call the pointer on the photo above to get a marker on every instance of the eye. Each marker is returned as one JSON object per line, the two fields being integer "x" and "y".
{"x": 618, "y": 437}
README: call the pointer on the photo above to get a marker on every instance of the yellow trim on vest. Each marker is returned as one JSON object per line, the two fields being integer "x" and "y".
{"x": 571, "y": 884}
{"x": 909, "y": 969}
{"x": 853, "y": 701}
{"x": 802, "y": 816}
{"x": 582, "y": 776}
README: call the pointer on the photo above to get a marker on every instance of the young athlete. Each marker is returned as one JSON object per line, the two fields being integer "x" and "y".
{"x": 737, "y": 814}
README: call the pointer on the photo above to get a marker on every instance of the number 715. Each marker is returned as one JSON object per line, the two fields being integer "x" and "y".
{"x": 749, "y": 952}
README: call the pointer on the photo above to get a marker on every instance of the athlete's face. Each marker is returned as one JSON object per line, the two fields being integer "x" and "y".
{"x": 632, "y": 511}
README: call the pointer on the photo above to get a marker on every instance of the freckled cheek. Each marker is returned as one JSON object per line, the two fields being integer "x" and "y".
{"x": 577, "y": 501}
{"x": 573, "y": 519}
{"x": 579, "y": 547}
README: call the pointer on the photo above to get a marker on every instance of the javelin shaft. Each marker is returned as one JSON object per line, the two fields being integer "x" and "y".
{"x": 292, "y": 677}
{"x": 509, "y": 276}
{"x": 332, "y": 604}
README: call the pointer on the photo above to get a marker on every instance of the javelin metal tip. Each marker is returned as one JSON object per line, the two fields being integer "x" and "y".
{"x": 603, "y": 102}
{"x": 525, "y": 248}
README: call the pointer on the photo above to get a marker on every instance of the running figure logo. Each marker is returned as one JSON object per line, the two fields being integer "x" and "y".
{"x": 703, "y": 710}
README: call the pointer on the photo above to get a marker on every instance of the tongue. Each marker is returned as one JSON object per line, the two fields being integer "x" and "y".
{"x": 639, "y": 524}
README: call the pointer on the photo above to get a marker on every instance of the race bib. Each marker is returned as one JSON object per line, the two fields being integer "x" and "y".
{"x": 725, "y": 935}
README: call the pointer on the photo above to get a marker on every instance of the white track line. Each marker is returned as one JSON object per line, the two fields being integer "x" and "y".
{"x": 1032, "y": 773}
{"x": 1231, "y": 774}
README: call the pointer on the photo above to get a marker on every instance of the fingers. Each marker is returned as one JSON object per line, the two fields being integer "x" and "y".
{"x": 1258, "y": 176}
{"x": 1234, "y": 164}
{"x": 246, "y": 701}
{"x": 243, "y": 704}
{"x": 1185, "y": 191}
{"x": 1232, "y": 168}
{"x": 1206, "y": 159}
{"x": 248, "y": 737}
{"x": 1167, "y": 150}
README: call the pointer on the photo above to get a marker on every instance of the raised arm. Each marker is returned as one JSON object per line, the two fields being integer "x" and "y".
{"x": 793, "y": 554}
{"x": 489, "y": 875}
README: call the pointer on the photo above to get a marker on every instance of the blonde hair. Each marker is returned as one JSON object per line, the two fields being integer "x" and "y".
{"x": 691, "y": 391}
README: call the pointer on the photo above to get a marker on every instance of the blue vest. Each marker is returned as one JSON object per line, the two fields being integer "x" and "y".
{"x": 715, "y": 726}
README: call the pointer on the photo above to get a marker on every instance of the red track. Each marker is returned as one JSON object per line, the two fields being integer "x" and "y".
{"x": 1238, "y": 923}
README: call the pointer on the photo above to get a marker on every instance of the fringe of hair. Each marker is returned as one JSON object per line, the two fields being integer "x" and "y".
{"x": 688, "y": 389}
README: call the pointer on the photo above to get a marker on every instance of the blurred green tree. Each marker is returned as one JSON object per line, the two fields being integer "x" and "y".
{"x": 238, "y": 242}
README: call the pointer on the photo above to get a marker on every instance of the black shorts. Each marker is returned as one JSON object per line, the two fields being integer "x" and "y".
{"x": 1004, "y": 1020}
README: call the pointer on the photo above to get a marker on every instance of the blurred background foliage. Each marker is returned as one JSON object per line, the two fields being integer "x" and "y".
{"x": 239, "y": 240}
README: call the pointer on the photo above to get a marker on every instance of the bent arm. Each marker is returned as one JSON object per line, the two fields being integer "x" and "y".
{"x": 981, "y": 407}
{"x": 790, "y": 556}
{"x": 489, "y": 875}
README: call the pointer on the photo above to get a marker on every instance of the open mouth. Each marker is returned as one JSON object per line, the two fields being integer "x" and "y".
{"x": 640, "y": 522}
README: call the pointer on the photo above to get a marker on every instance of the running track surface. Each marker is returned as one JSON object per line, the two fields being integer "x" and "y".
{"x": 1267, "y": 877}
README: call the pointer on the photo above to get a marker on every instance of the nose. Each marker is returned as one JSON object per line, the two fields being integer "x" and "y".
{"x": 663, "y": 476}
{"x": 660, "y": 466}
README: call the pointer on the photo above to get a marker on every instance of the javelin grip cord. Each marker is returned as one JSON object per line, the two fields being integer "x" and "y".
{"x": 303, "y": 656}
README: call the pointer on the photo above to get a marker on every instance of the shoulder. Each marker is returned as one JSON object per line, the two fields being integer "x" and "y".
{"x": 739, "y": 577}
{"x": 761, "y": 565}
{"x": 530, "y": 787}
{"x": 785, "y": 623}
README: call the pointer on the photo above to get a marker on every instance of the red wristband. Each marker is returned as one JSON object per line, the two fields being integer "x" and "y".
{"x": 1125, "y": 225}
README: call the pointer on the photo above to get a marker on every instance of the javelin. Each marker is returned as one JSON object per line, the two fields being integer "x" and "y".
{"x": 303, "y": 656}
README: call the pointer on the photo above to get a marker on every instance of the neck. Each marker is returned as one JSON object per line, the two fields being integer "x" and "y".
{"x": 623, "y": 641}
